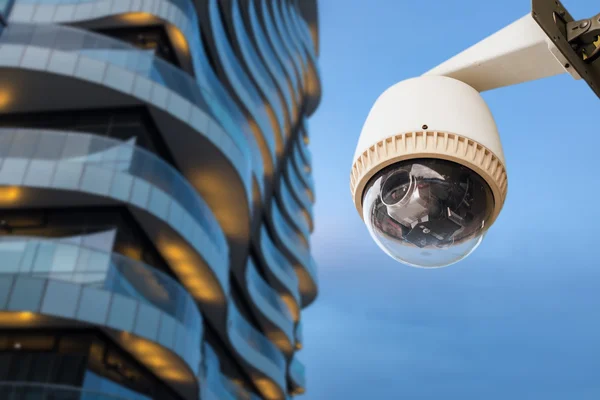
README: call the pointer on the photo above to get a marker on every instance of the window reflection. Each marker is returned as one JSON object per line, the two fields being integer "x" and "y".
{"x": 129, "y": 238}
{"x": 122, "y": 124}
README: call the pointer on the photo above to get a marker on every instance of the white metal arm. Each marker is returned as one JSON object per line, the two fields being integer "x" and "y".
{"x": 518, "y": 53}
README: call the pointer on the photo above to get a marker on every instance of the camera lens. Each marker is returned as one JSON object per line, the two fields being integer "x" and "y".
{"x": 395, "y": 187}
{"x": 427, "y": 212}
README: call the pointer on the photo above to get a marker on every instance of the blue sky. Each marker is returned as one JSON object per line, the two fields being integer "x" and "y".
{"x": 520, "y": 318}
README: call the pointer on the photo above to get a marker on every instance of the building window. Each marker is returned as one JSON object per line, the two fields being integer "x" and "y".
{"x": 152, "y": 38}
{"x": 122, "y": 123}
{"x": 86, "y": 360}
{"x": 130, "y": 241}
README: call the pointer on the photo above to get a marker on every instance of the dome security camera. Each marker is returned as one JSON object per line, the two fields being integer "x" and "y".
{"x": 429, "y": 176}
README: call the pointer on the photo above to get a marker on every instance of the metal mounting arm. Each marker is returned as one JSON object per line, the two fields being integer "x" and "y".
{"x": 544, "y": 43}
{"x": 583, "y": 37}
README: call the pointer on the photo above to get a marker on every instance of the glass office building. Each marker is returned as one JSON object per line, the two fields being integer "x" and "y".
{"x": 155, "y": 197}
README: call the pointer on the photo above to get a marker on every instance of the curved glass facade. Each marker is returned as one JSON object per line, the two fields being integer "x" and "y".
{"x": 244, "y": 88}
{"x": 280, "y": 35}
{"x": 254, "y": 347}
{"x": 155, "y": 219}
{"x": 259, "y": 72}
{"x": 272, "y": 62}
{"x": 117, "y": 59}
{"x": 59, "y": 279}
{"x": 279, "y": 266}
{"x": 268, "y": 301}
{"x": 117, "y": 170}
{"x": 297, "y": 375}
{"x": 278, "y": 47}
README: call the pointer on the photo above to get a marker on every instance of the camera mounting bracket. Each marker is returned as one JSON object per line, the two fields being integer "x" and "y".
{"x": 543, "y": 43}
{"x": 577, "y": 40}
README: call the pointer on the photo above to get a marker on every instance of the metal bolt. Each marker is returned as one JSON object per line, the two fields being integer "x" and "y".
{"x": 584, "y": 24}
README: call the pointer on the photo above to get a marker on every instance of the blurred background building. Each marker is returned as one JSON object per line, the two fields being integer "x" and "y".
{"x": 155, "y": 197}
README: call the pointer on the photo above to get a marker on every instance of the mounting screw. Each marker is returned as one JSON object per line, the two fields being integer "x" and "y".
{"x": 584, "y": 24}
{"x": 425, "y": 127}
{"x": 567, "y": 65}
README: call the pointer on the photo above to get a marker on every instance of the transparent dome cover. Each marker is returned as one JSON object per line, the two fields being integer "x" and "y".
{"x": 428, "y": 212}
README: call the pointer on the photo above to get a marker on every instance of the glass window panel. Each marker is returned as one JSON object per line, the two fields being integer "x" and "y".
{"x": 75, "y": 146}
{"x": 65, "y": 259}
{"x": 122, "y": 313}
{"x": 67, "y": 175}
{"x": 5, "y": 368}
{"x": 166, "y": 335}
{"x": 35, "y": 58}
{"x": 62, "y": 62}
{"x": 140, "y": 194}
{"x": 70, "y": 370}
{"x": 5, "y": 285}
{"x": 92, "y": 70}
{"x": 26, "y": 294}
{"x": 142, "y": 88}
{"x": 7, "y": 136}
{"x": 61, "y": 299}
{"x": 119, "y": 78}
{"x": 121, "y": 186}
{"x": 12, "y": 255}
{"x": 103, "y": 241}
{"x": 175, "y": 214}
{"x": 64, "y": 12}
{"x": 21, "y": 366}
{"x": 159, "y": 203}
{"x": 94, "y": 305}
{"x": 96, "y": 180}
{"x": 159, "y": 95}
{"x": 40, "y": 173}
{"x": 98, "y": 262}
{"x": 13, "y": 171}
{"x": 50, "y": 146}
{"x": 146, "y": 324}
{"x": 44, "y": 257}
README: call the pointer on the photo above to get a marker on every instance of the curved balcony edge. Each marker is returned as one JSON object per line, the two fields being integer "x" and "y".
{"x": 274, "y": 316}
{"x": 42, "y": 295}
{"x": 196, "y": 134}
{"x": 266, "y": 362}
{"x": 82, "y": 178}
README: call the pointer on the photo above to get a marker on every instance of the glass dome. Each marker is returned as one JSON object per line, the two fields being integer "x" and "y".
{"x": 427, "y": 212}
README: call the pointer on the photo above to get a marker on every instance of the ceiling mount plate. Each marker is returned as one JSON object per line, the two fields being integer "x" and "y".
{"x": 553, "y": 18}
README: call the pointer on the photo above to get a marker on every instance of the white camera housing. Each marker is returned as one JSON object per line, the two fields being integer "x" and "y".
{"x": 440, "y": 123}
{"x": 430, "y": 117}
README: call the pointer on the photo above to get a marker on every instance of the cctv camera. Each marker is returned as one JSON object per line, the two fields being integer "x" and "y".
{"x": 428, "y": 177}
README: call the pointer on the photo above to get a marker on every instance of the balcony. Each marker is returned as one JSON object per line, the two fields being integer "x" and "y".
{"x": 273, "y": 64}
{"x": 58, "y": 283}
{"x": 264, "y": 361}
{"x": 74, "y": 169}
{"x": 273, "y": 313}
{"x": 60, "y": 68}
{"x": 286, "y": 47}
{"x": 297, "y": 377}
{"x": 295, "y": 249}
{"x": 280, "y": 274}
{"x": 267, "y": 131}
{"x": 215, "y": 385}
{"x": 178, "y": 17}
